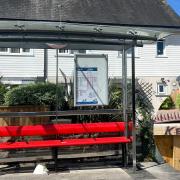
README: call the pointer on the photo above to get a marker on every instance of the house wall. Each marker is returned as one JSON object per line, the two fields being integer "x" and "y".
{"x": 154, "y": 97}
{"x": 147, "y": 62}
{"x": 66, "y": 63}
{"x": 150, "y": 68}
{"x": 153, "y": 69}
{"x": 13, "y": 68}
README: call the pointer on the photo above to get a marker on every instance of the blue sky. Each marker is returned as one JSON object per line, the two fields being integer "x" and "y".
{"x": 175, "y": 4}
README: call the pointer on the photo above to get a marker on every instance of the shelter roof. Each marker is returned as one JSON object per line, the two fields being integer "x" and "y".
{"x": 164, "y": 116}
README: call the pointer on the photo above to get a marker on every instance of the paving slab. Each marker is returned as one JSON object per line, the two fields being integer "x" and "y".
{"x": 154, "y": 171}
{"x": 93, "y": 174}
{"x": 147, "y": 170}
{"x": 164, "y": 171}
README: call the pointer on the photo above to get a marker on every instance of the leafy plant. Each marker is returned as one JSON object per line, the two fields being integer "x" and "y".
{"x": 177, "y": 101}
{"x": 115, "y": 96}
{"x": 35, "y": 94}
{"x": 146, "y": 135}
{"x": 3, "y": 90}
{"x": 167, "y": 104}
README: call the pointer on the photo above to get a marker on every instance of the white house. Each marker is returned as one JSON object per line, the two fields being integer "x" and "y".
{"x": 157, "y": 66}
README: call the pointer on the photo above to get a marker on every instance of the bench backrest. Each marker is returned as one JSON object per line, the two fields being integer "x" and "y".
{"x": 62, "y": 129}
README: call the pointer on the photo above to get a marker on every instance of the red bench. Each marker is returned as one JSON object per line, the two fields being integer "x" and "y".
{"x": 60, "y": 130}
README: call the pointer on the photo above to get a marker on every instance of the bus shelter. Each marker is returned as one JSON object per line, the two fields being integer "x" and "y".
{"x": 87, "y": 25}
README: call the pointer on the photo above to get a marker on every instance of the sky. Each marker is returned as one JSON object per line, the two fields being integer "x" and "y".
{"x": 175, "y": 4}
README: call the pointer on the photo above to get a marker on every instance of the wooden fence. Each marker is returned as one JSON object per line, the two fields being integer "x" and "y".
{"x": 13, "y": 121}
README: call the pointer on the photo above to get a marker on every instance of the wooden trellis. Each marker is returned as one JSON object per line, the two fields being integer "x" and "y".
{"x": 144, "y": 94}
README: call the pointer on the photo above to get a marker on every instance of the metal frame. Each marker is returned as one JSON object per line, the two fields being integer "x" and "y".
{"x": 91, "y": 112}
{"x": 57, "y": 78}
{"x": 125, "y": 105}
{"x": 133, "y": 107}
{"x": 75, "y": 75}
{"x": 80, "y": 40}
{"x": 62, "y": 113}
{"x": 45, "y": 65}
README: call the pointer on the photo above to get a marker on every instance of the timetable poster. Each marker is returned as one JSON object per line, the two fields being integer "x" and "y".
{"x": 87, "y": 85}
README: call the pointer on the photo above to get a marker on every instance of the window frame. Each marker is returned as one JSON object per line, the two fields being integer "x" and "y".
{"x": 69, "y": 52}
{"x": 164, "y": 93}
{"x": 20, "y": 53}
{"x": 164, "y": 48}
{"x": 63, "y": 53}
{"x": 4, "y": 51}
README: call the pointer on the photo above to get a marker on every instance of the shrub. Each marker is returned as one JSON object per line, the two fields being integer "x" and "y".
{"x": 35, "y": 94}
{"x": 3, "y": 90}
{"x": 178, "y": 101}
{"x": 167, "y": 104}
{"x": 115, "y": 96}
{"x": 146, "y": 135}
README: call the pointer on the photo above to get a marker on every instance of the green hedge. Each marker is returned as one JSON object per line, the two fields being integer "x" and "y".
{"x": 3, "y": 90}
{"x": 35, "y": 94}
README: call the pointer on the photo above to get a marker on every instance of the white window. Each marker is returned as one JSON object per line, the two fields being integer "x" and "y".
{"x": 26, "y": 50}
{"x": 16, "y": 51}
{"x": 160, "y": 48}
{"x": 70, "y": 52}
{"x": 77, "y": 51}
{"x": 63, "y": 51}
{"x": 161, "y": 89}
{"x": 28, "y": 81}
{"x": 4, "y": 50}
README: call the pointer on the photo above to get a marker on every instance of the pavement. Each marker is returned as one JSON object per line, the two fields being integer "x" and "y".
{"x": 154, "y": 171}
{"x": 163, "y": 171}
{"x": 148, "y": 170}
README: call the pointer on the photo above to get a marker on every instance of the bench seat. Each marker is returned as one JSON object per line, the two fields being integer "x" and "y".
{"x": 63, "y": 143}
{"x": 66, "y": 135}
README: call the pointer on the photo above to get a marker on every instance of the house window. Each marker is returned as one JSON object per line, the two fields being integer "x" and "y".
{"x": 77, "y": 51}
{"x": 161, "y": 89}
{"x": 26, "y": 50}
{"x": 70, "y": 52}
{"x": 3, "y": 50}
{"x": 82, "y": 51}
{"x": 64, "y": 51}
{"x": 160, "y": 48}
{"x": 16, "y": 51}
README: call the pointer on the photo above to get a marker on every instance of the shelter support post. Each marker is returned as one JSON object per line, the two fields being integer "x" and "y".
{"x": 125, "y": 105}
{"x": 55, "y": 157}
{"x": 57, "y": 79}
{"x": 133, "y": 108}
{"x": 55, "y": 149}
{"x": 45, "y": 64}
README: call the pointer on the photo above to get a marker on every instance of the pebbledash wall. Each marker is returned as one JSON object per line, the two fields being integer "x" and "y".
{"x": 156, "y": 64}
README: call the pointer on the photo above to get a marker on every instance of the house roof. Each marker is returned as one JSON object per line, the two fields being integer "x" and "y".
{"x": 164, "y": 116}
{"x": 114, "y": 12}
{"x": 85, "y": 23}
